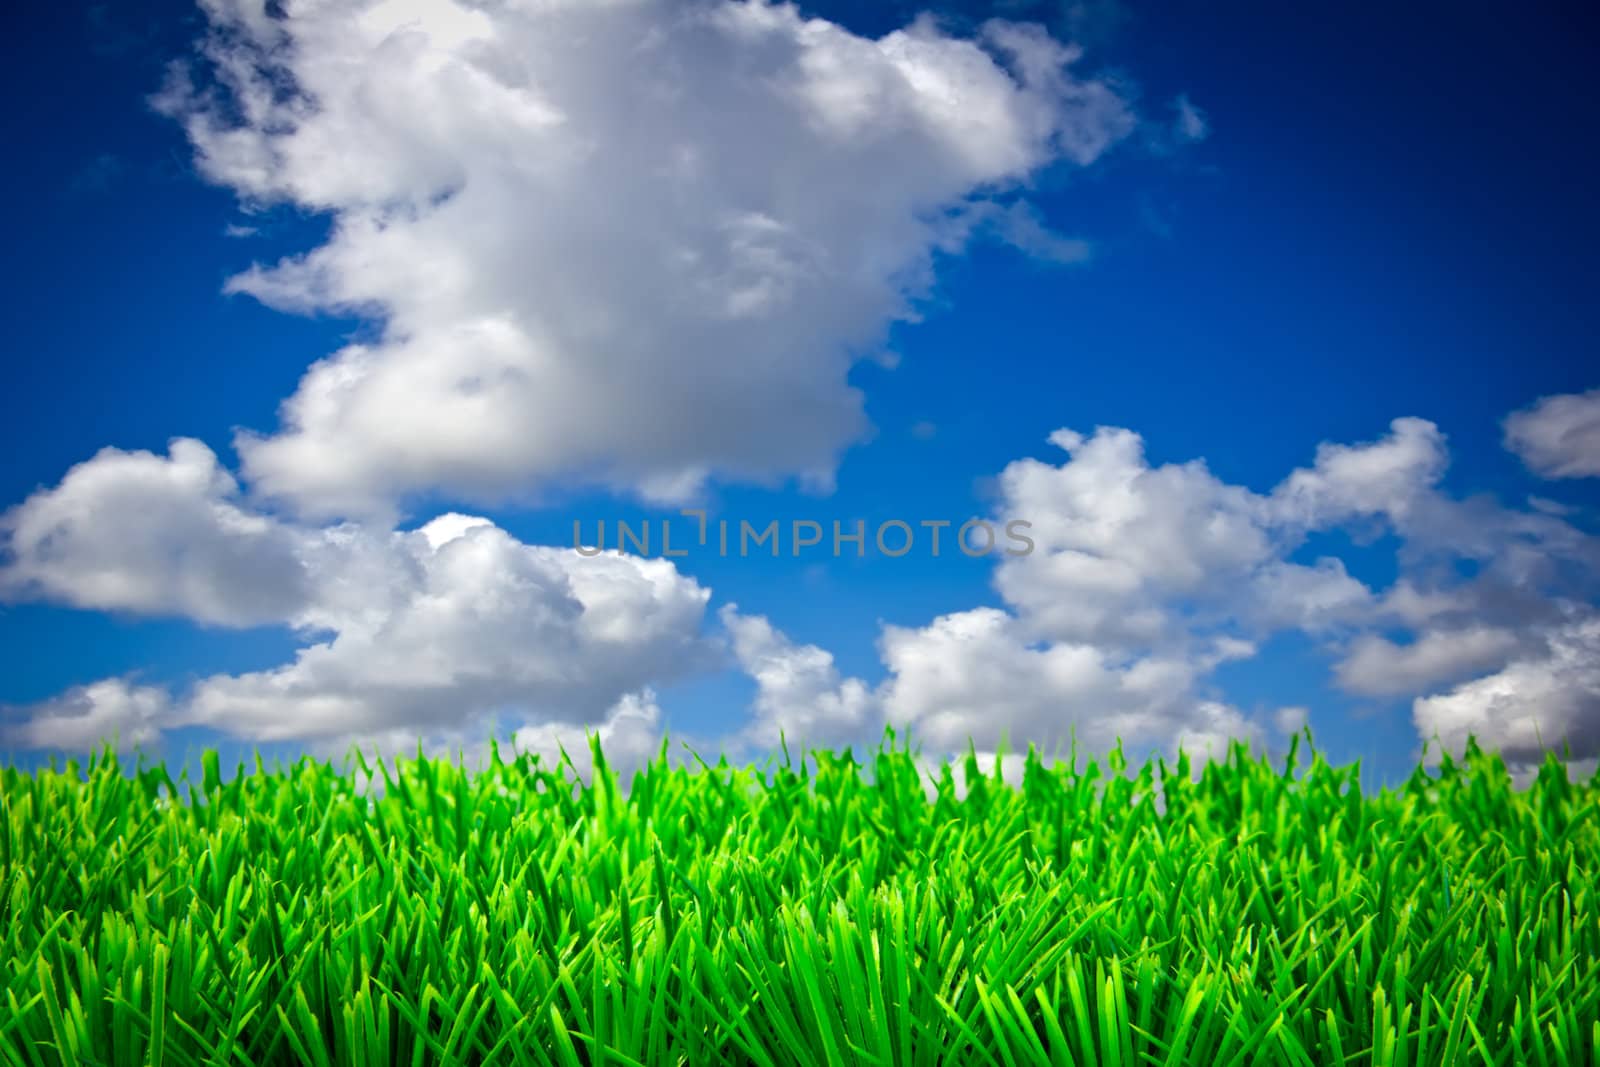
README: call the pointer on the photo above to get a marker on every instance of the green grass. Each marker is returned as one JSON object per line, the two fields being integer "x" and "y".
{"x": 791, "y": 916}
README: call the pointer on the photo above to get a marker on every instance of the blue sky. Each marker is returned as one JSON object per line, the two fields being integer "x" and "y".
{"x": 1240, "y": 231}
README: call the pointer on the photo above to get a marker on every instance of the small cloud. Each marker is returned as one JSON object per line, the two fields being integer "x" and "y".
{"x": 1559, "y": 437}
{"x": 233, "y": 229}
{"x": 114, "y": 710}
{"x": 1550, "y": 507}
{"x": 1187, "y": 125}
{"x": 1021, "y": 226}
{"x": 1290, "y": 720}
{"x": 924, "y": 430}
{"x": 1190, "y": 125}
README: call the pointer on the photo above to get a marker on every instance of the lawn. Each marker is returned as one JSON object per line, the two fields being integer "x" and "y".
{"x": 832, "y": 910}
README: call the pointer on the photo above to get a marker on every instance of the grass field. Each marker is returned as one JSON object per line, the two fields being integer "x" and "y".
{"x": 825, "y": 913}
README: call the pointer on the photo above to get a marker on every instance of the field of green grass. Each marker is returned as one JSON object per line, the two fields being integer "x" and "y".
{"x": 824, "y": 912}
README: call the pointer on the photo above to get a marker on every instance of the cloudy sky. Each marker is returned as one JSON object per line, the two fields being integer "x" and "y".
{"x": 1172, "y": 373}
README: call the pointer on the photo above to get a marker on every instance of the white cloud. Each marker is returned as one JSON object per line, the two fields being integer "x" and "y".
{"x": 1415, "y": 605}
{"x": 428, "y": 633}
{"x": 1291, "y": 719}
{"x": 153, "y": 535}
{"x": 630, "y": 737}
{"x": 1129, "y": 555}
{"x": 638, "y": 243}
{"x": 457, "y": 630}
{"x": 82, "y": 718}
{"x": 1117, "y": 542}
{"x": 630, "y": 734}
{"x": 1540, "y": 701}
{"x": 1010, "y": 766}
{"x": 1376, "y": 666}
{"x": 1384, "y": 478}
{"x": 1190, "y": 124}
{"x": 1320, "y": 598}
{"x": 801, "y": 698}
{"x": 973, "y": 677}
{"x": 1496, "y": 602}
{"x": 1144, "y": 579}
{"x": 1559, "y": 437}
{"x": 1550, "y": 507}
{"x": 1022, "y": 226}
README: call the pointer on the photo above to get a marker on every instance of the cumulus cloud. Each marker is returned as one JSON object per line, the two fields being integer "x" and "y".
{"x": 424, "y": 633}
{"x": 1392, "y": 484}
{"x": 630, "y": 736}
{"x": 1559, "y": 437}
{"x": 1291, "y": 719}
{"x": 84, "y": 717}
{"x": 1546, "y": 700}
{"x": 1115, "y": 540}
{"x": 1129, "y": 555}
{"x": 801, "y": 698}
{"x": 1386, "y": 478}
{"x": 1376, "y": 666}
{"x": 153, "y": 535}
{"x": 636, "y": 243}
{"x": 972, "y": 677}
{"x": 1494, "y": 604}
{"x": 1190, "y": 123}
{"x": 1144, "y": 579}
{"x": 467, "y": 623}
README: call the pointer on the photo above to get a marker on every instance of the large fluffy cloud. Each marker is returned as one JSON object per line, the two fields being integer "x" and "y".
{"x": 466, "y": 623}
{"x": 1130, "y": 556}
{"x": 1141, "y": 582}
{"x": 424, "y": 632}
{"x": 1144, "y": 579}
{"x": 1541, "y": 701}
{"x": 973, "y": 677}
{"x": 638, "y": 242}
